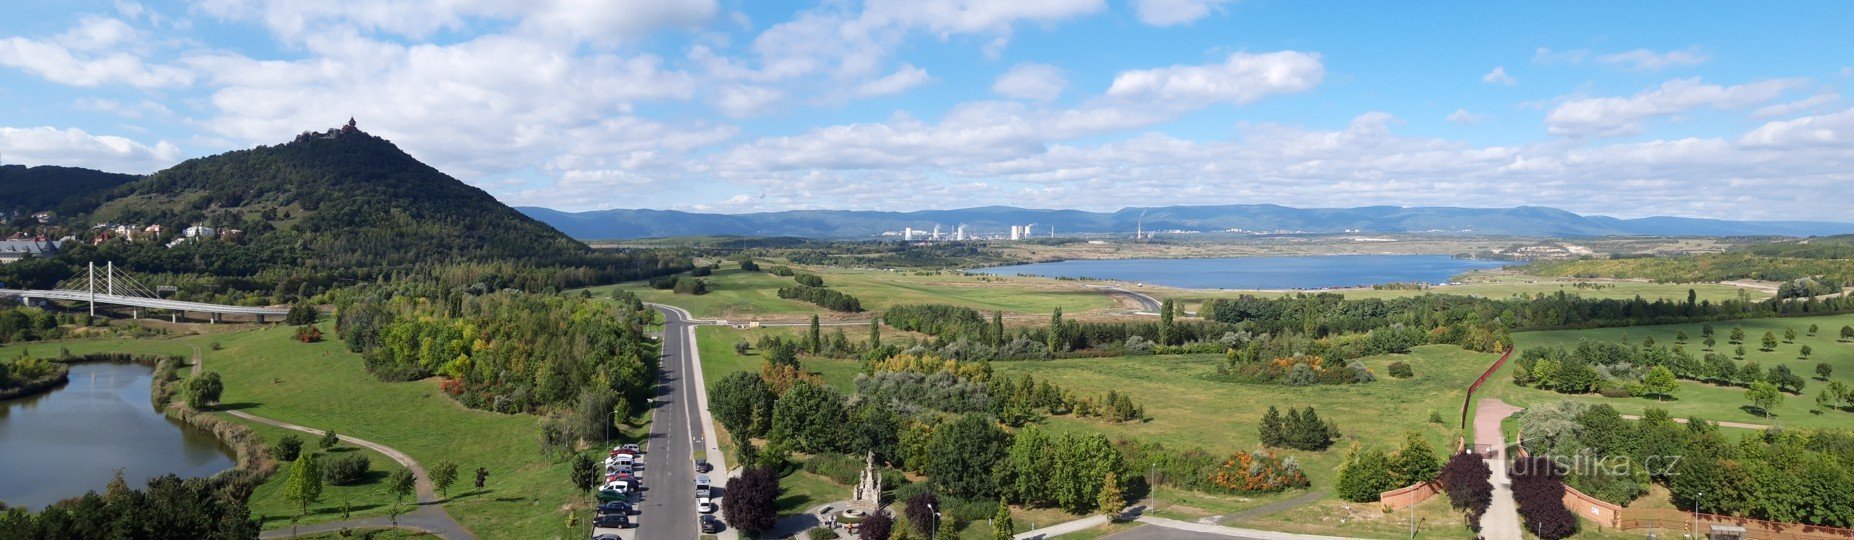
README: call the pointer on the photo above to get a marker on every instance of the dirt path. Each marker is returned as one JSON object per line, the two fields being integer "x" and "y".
{"x": 1739, "y": 425}
{"x": 429, "y": 516}
{"x": 1502, "y": 517}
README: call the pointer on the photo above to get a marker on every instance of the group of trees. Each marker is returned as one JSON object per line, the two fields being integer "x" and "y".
{"x": 1294, "y": 371}
{"x": 827, "y": 298}
{"x": 27, "y": 375}
{"x": 1625, "y": 369}
{"x": 505, "y": 351}
{"x": 1369, "y": 472}
{"x": 168, "y": 507}
{"x": 1068, "y": 471}
{"x": 1300, "y": 431}
{"x": 22, "y": 323}
{"x": 690, "y": 285}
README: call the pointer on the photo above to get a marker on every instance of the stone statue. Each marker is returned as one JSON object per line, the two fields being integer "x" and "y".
{"x": 868, "y": 494}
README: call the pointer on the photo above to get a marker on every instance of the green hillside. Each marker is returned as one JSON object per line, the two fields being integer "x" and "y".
{"x": 26, "y": 190}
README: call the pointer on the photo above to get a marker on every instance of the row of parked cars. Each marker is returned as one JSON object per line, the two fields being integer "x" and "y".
{"x": 616, "y": 503}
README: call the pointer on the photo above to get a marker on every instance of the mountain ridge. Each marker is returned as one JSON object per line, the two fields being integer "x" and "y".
{"x": 996, "y": 220}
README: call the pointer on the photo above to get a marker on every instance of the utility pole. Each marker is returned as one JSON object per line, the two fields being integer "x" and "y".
{"x": 93, "y": 288}
{"x": 109, "y": 275}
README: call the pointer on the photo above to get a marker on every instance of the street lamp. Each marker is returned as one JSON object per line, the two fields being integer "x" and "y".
{"x": 1696, "y": 503}
{"x": 933, "y": 527}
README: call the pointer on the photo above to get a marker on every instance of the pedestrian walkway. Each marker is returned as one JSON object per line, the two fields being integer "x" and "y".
{"x": 1234, "y": 532}
{"x": 1502, "y": 517}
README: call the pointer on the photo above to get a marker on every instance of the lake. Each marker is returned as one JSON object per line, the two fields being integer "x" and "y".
{"x": 71, "y": 440}
{"x": 1316, "y": 272}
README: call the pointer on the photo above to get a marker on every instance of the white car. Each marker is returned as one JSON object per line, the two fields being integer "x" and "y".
{"x": 705, "y": 505}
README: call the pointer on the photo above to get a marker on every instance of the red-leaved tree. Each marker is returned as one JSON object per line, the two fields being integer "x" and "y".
{"x": 1467, "y": 480}
{"x": 1538, "y": 489}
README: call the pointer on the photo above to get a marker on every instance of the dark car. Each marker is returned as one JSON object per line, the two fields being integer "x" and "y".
{"x": 612, "y": 521}
{"x": 702, "y": 466}
{"x": 607, "y": 537}
{"x": 615, "y": 507}
{"x": 710, "y": 525}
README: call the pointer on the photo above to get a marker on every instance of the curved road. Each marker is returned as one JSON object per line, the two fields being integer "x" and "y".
{"x": 429, "y": 515}
{"x": 668, "y": 506}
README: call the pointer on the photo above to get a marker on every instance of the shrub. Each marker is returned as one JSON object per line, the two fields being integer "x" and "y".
{"x": 1401, "y": 370}
{"x": 1260, "y": 471}
{"x": 820, "y": 533}
{"x": 287, "y": 448}
{"x": 308, "y": 334}
{"x": 328, "y": 440}
{"x": 808, "y": 280}
{"x": 345, "y": 470}
{"x": 1365, "y": 475}
{"x": 689, "y": 285}
{"x": 702, "y": 271}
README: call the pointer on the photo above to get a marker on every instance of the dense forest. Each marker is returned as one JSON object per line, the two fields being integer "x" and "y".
{"x": 1824, "y": 258}
{"x": 61, "y": 190}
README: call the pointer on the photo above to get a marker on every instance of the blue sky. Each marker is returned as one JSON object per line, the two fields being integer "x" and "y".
{"x": 1726, "y": 110}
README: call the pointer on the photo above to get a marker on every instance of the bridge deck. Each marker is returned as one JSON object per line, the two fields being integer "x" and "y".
{"x": 176, "y": 305}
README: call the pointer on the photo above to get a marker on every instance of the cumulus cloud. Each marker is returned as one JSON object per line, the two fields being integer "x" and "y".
{"x": 1811, "y": 103}
{"x": 1173, "y": 12}
{"x": 900, "y": 81}
{"x": 1614, "y": 116}
{"x": 1462, "y": 116}
{"x": 72, "y": 147}
{"x": 1031, "y": 81}
{"x": 947, "y": 17}
{"x": 84, "y": 57}
{"x": 1242, "y": 78}
{"x": 585, "y": 20}
{"x": 1834, "y": 130}
{"x": 1499, "y": 76}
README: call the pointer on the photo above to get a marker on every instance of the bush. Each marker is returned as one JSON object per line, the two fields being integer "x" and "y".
{"x": 821, "y": 533}
{"x": 328, "y": 440}
{"x": 1401, "y": 370}
{"x": 287, "y": 448}
{"x": 689, "y": 285}
{"x": 345, "y": 470}
{"x": 808, "y": 280}
{"x": 300, "y": 315}
{"x": 748, "y": 265}
{"x": 840, "y": 468}
{"x": 702, "y": 271}
{"x": 1364, "y": 476}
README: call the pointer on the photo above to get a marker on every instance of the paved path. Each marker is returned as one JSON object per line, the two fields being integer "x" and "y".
{"x": 429, "y": 515}
{"x": 1502, "y": 518}
{"x": 1148, "y": 304}
{"x": 1739, "y": 425}
{"x": 1304, "y": 499}
{"x": 1230, "y": 532}
{"x": 1060, "y": 529}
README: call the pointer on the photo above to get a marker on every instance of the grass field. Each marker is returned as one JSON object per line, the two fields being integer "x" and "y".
{"x": 323, "y": 385}
{"x": 735, "y": 294}
{"x": 1499, "y": 284}
{"x": 1716, "y": 403}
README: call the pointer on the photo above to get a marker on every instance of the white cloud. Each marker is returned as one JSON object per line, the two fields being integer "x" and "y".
{"x": 1171, "y": 12}
{"x": 1499, "y": 76}
{"x": 1240, "y": 79}
{"x": 1462, "y": 116}
{"x": 1647, "y": 60}
{"x": 902, "y": 80}
{"x": 1815, "y": 102}
{"x": 1836, "y": 130}
{"x": 1612, "y": 116}
{"x": 85, "y": 59}
{"x": 1031, "y": 81}
{"x": 583, "y": 20}
{"x": 947, "y": 17}
{"x": 76, "y": 148}
{"x": 1544, "y": 55}
{"x": 126, "y": 110}
{"x": 743, "y": 100}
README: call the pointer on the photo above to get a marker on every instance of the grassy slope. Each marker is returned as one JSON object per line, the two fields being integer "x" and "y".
{"x": 1502, "y": 285}
{"x": 1711, "y": 402}
{"x": 322, "y": 385}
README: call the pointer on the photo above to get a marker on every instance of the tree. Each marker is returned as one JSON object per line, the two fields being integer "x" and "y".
{"x": 443, "y": 475}
{"x": 878, "y": 526}
{"x": 1823, "y": 370}
{"x": 328, "y": 440}
{"x": 1738, "y": 334}
{"x": 810, "y": 418}
{"x": 1002, "y": 528}
{"x": 1467, "y": 480}
{"x": 1764, "y": 396}
{"x": 300, "y": 315}
{"x": 304, "y": 487}
{"x": 1739, "y": 352}
{"x": 1770, "y": 341}
{"x": 1813, "y": 328}
{"x": 1847, "y": 333}
{"x": 1805, "y": 351}
{"x": 1055, "y": 331}
{"x": 1272, "y": 428}
{"x": 1415, "y": 462}
{"x": 738, "y": 398}
{"x": 1709, "y": 342}
{"x": 1111, "y": 498}
{"x": 401, "y": 484}
{"x": 1538, "y": 490}
{"x": 1789, "y": 334}
{"x": 752, "y": 500}
{"x": 1659, "y": 381}
{"x": 1364, "y": 476}
{"x": 1680, "y": 336}
{"x": 585, "y": 473}
{"x": 920, "y": 510}
{"x": 814, "y": 338}
{"x": 287, "y": 448}
{"x": 875, "y": 333}
{"x": 1167, "y": 332}
{"x": 964, "y": 453}
{"x": 740, "y": 347}
{"x": 204, "y": 389}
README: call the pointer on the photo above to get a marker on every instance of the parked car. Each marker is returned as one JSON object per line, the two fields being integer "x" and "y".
{"x": 632, "y": 448}
{"x": 606, "y": 537}
{"x": 612, "y": 521}
{"x": 615, "y": 507}
{"x": 609, "y": 495}
{"x": 710, "y": 524}
{"x": 702, "y": 466}
{"x": 705, "y": 505}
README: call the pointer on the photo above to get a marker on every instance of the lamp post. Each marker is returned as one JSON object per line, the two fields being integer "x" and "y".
{"x": 933, "y": 527}
{"x": 1696, "y": 503}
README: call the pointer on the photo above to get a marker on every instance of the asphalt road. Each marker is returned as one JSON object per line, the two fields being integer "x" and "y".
{"x": 668, "y": 504}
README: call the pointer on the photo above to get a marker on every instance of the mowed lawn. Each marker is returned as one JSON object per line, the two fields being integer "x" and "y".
{"x": 1187, "y": 409}
{"x": 737, "y": 294}
{"x": 323, "y": 385}
{"x": 1712, "y": 402}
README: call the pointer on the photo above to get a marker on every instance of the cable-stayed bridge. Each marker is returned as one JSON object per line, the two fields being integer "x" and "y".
{"x": 107, "y": 285}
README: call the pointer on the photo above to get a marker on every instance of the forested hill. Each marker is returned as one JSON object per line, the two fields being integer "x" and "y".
{"x": 997, "y": 220}
{"x": 26, "y": 190}
{"x": 344, "y": 196}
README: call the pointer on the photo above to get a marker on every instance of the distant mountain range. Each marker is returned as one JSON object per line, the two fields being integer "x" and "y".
{"x": 997, "y": 220}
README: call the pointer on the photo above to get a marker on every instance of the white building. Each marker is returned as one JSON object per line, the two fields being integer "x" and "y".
{"x": 200, "y": 231}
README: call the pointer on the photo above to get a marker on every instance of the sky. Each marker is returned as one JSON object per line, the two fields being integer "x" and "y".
{"x": 1731, "y": 110}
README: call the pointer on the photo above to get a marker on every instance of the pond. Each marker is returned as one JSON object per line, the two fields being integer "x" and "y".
{"x": 1315, "y": 272}
{"x": 71, "y": 440}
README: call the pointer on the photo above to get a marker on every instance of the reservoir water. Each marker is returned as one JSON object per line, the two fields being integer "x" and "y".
{"x": 71, "y": 440}
{"x": 1315, "y": 272}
